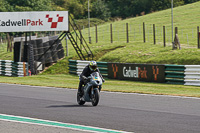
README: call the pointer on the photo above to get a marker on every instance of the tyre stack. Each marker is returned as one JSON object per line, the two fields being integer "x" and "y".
{"x": 16, "y": 51}
{"x": 60, "y": 50}
{"x": 35, "y": 50}
{"x": 31, "y": 58}
{"x": 40, "y": 50}
{"x": 48, "y": 58}
{"x": 53, "y": 50}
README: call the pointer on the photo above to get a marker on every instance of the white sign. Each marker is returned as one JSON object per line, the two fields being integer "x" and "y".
{"x": 34, "y": 21}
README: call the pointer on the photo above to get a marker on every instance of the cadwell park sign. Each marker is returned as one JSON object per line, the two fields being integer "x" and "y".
{"x": 137, "y": 72}
{"x": 33, "y": 21}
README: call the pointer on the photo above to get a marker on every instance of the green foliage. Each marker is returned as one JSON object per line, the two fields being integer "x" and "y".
{"x": 76, "y": 7}
{"x": 25, "y": 5}
{"x": 100, "y": 10}
{"x": 128, "y": 8}
{"x": 190, "y": 1}
{"x": 5, "y": 6}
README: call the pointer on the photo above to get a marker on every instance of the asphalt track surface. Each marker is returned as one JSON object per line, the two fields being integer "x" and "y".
{"x": 120, "y": 111}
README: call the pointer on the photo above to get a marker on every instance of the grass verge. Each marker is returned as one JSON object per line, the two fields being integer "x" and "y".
{"x": 71, "y": 81}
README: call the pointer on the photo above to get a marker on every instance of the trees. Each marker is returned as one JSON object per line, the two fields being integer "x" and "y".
{"x": 190, "y": 1}
{"x": 100, "y": 10}
{"x": 5, "y": 6}
{"x": 30, "y": 5}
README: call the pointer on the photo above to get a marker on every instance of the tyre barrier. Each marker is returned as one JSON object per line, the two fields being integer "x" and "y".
{"x": 54, "y": 51}
{"x": 35, "y": 51}
{"x": 14, "y": 69}
{"x": 31, "y": 59}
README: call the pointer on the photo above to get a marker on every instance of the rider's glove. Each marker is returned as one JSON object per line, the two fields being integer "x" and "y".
{"x": 103, "y": 80}
{"x": 84, "y": 78}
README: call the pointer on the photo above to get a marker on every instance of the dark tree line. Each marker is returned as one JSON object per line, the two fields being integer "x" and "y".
{"x": 102, "y": 9}
{"x": 130, "y": 8}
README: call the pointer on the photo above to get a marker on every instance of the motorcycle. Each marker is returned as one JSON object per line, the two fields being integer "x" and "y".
{"x": 91, "y": 90}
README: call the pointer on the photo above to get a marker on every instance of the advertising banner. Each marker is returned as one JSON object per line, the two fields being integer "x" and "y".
{"x": 137, "y": 72}
{"x": 34, "y": 21}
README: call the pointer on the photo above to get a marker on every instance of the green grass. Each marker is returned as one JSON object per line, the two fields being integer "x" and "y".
{"x": 149, "y": 53}
{"x": 61, "y": 67}
{"x": 4, "y": 55}
{"x": 186, "y": 18}
{"x": 71, "y": 81}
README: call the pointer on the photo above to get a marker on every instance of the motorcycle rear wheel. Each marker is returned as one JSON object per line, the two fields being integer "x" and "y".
{"x": 95, "y": 97}
{"x": 79, "y": 101}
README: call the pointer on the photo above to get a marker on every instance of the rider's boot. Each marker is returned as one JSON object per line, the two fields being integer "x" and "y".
{"x": 80, "y": 92}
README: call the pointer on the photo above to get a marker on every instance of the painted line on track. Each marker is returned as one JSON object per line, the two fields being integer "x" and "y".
{"x": 35, "y": 121}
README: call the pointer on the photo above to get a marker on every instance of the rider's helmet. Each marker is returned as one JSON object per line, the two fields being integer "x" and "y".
{"x": 93, "y": 65}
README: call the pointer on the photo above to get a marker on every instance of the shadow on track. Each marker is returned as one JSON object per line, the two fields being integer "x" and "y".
{"x": 67, "y": 106}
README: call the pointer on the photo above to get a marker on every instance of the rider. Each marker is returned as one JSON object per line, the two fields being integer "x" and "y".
{"x": 89, "y": 69}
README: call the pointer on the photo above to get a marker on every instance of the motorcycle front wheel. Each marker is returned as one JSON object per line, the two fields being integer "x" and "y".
{"x": 95, "y": 97}
{"x": 79, "y": 101}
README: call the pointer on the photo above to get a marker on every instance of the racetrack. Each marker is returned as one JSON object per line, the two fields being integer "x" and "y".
{"x": 120, "y": 111}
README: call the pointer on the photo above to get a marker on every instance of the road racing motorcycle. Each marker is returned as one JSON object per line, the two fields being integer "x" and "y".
{"x": 91, "y": 90}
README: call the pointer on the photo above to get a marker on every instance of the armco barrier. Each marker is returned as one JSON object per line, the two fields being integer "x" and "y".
{"x": 174, "y": 74}
{"x": 192, "y": 75}
{"x": 77, "y": 66}
{"x": 72, "y": 66}
{"x": 15, "y": 69}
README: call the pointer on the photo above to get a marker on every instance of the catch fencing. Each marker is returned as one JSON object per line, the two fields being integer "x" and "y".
{"x": 143, "y": 32}
{"x": 173, "y": 74}
{"x": 14, "y": 69}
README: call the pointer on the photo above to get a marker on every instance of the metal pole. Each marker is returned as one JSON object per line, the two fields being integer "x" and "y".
{"x": 67, "y": 50}
{"x": 198, "y": 37}
{"x": 89, "y": 21}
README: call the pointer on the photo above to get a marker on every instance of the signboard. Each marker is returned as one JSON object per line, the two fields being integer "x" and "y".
{"x": 137, "y": 72}
{"x": 34, "y": 21}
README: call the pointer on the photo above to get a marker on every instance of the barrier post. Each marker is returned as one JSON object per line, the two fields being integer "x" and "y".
{"x": 198, "y": 35}
{"x": 111, "y": 35}
{"x": 154, "y": 34}
{"x": 144, "y": 32}
{"x": 96, "y": 34}
{"x": 127, "y": 35}
{"x": 164, "y": 40}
